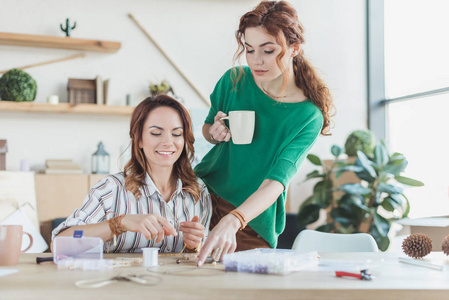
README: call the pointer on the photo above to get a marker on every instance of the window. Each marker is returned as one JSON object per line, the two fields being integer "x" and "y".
{"x": 416, "y": 95}
{"x": 416, "y": 46}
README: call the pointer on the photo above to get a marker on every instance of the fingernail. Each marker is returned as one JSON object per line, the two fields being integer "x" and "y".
{"x": 223, "y": 114}
{"x": 182, "y": 223}
{"x": 175, "y": 234}
{"x": 200, "y": 263}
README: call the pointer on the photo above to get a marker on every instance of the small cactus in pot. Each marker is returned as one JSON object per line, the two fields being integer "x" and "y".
{"x": 68, "y": 29}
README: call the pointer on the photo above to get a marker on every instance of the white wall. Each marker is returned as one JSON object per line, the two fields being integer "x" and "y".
{"x": 197, "y": 34}
{"x": 336, "y": 44}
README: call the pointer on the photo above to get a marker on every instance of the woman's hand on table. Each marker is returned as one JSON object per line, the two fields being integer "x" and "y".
{"x": 218, "y": 131}
{"x": 192, "y": 233}
{"x": 150, "y": 225}
{"x": 221, "y": 239}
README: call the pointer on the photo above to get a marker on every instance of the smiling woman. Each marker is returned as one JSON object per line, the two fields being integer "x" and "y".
{"x": 162, "y": 139}
{"x": 157, "y": 201}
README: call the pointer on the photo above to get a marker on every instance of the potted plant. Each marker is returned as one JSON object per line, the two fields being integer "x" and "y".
{"x": 370, "y": 205}
{"x": 160, "y": 88}
{"x": 17, "y": 85}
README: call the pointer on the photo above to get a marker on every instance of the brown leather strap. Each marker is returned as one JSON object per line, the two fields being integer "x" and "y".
{"x": 241, "y": 218}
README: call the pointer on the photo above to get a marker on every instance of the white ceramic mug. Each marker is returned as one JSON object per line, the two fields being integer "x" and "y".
{"x": 241, "y": 124}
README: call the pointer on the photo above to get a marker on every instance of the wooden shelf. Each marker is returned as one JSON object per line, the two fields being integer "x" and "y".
{"x": 46, "y": 41}
{"x": 65, "y": 108}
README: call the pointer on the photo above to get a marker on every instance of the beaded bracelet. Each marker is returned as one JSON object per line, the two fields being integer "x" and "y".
{"x": 238, "y": 214}
{"x": 116, "y": 226}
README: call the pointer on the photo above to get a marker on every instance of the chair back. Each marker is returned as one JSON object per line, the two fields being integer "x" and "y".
{"x": 311, "y": 240}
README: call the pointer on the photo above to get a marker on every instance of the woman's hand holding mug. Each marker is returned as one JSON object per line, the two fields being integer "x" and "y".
{"x": 241, "y": 127}
{"x": 218, "y": 131}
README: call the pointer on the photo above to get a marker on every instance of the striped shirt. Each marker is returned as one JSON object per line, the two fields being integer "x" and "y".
{"x": 110, "y": 195}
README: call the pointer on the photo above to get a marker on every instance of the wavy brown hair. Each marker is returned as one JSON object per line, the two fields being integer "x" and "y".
{"x": 136, "y": 169}
{"x": 280, "y": 20}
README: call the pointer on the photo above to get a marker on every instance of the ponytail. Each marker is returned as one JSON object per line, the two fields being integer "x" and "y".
{"x": 307, "y": 79}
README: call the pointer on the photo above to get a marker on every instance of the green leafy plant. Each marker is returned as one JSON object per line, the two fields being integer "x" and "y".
{"x": 363, "y": 140}
{"x": 160, "y": 88}
{"x": 370, "y": 205}
{"x": 17, "y": 85}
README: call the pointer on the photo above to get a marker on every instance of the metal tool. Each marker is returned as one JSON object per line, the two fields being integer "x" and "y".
{"x": 43, "y": 259}
{"x": 139, "y": 279}
{"x": 363, "y": 275}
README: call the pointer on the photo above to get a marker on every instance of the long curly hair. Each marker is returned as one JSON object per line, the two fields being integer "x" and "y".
{"x": 280, "y": 20}
{"x": 136, "y": 169}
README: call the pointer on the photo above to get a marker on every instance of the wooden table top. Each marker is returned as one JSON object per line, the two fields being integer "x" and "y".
{"x": 392, "y": 280}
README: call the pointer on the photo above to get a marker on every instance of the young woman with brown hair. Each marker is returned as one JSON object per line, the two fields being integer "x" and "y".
{"x": 292, "y": 107}
{"x": 157, "y": 201}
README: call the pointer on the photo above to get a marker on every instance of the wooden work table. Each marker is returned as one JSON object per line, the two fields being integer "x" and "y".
{"x": 393, "y": 280}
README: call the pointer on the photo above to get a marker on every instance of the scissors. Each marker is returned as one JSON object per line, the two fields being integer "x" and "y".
{"x": 96, "y": 283}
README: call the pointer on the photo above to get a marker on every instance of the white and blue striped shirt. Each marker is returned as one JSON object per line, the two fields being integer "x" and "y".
{"x": 110, "y": 195}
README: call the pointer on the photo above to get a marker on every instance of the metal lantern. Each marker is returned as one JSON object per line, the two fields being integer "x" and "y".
{"x": 100, "y": 160}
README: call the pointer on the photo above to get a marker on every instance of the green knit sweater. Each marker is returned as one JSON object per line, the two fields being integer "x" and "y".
{"x": 283, "y": 135}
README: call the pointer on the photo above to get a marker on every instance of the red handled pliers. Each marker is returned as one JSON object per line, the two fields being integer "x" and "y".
{"x": 363, "y": 275}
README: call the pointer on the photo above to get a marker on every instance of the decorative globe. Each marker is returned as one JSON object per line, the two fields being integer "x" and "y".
{"x": 363, "y": 140}
{"x": 17, "y": 85}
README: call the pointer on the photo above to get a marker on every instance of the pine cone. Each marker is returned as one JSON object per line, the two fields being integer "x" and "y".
{"x": 445, "y": 245}
{"x": 417, "y": 245}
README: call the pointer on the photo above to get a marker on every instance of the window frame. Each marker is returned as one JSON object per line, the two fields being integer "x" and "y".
{"x": 376, "y": 68}
{"x": 377, "y": 100}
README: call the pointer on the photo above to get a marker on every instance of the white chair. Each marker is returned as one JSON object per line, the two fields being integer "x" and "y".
{"x": 311, "y": 240}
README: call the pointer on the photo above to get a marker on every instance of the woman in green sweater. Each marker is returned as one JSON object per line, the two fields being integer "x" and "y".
{"x": 292, "y": 107}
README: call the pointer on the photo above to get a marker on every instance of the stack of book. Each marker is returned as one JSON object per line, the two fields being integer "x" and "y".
{"x": 62, "y": 166}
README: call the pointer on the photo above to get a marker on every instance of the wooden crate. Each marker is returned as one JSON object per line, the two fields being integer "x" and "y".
{"x": 82, "y": 91}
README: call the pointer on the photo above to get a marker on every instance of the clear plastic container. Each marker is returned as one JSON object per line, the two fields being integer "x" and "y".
{"x": 77, "y": 248}
{"x": 270, "y": 261}
{"x": 85, "y": 264}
